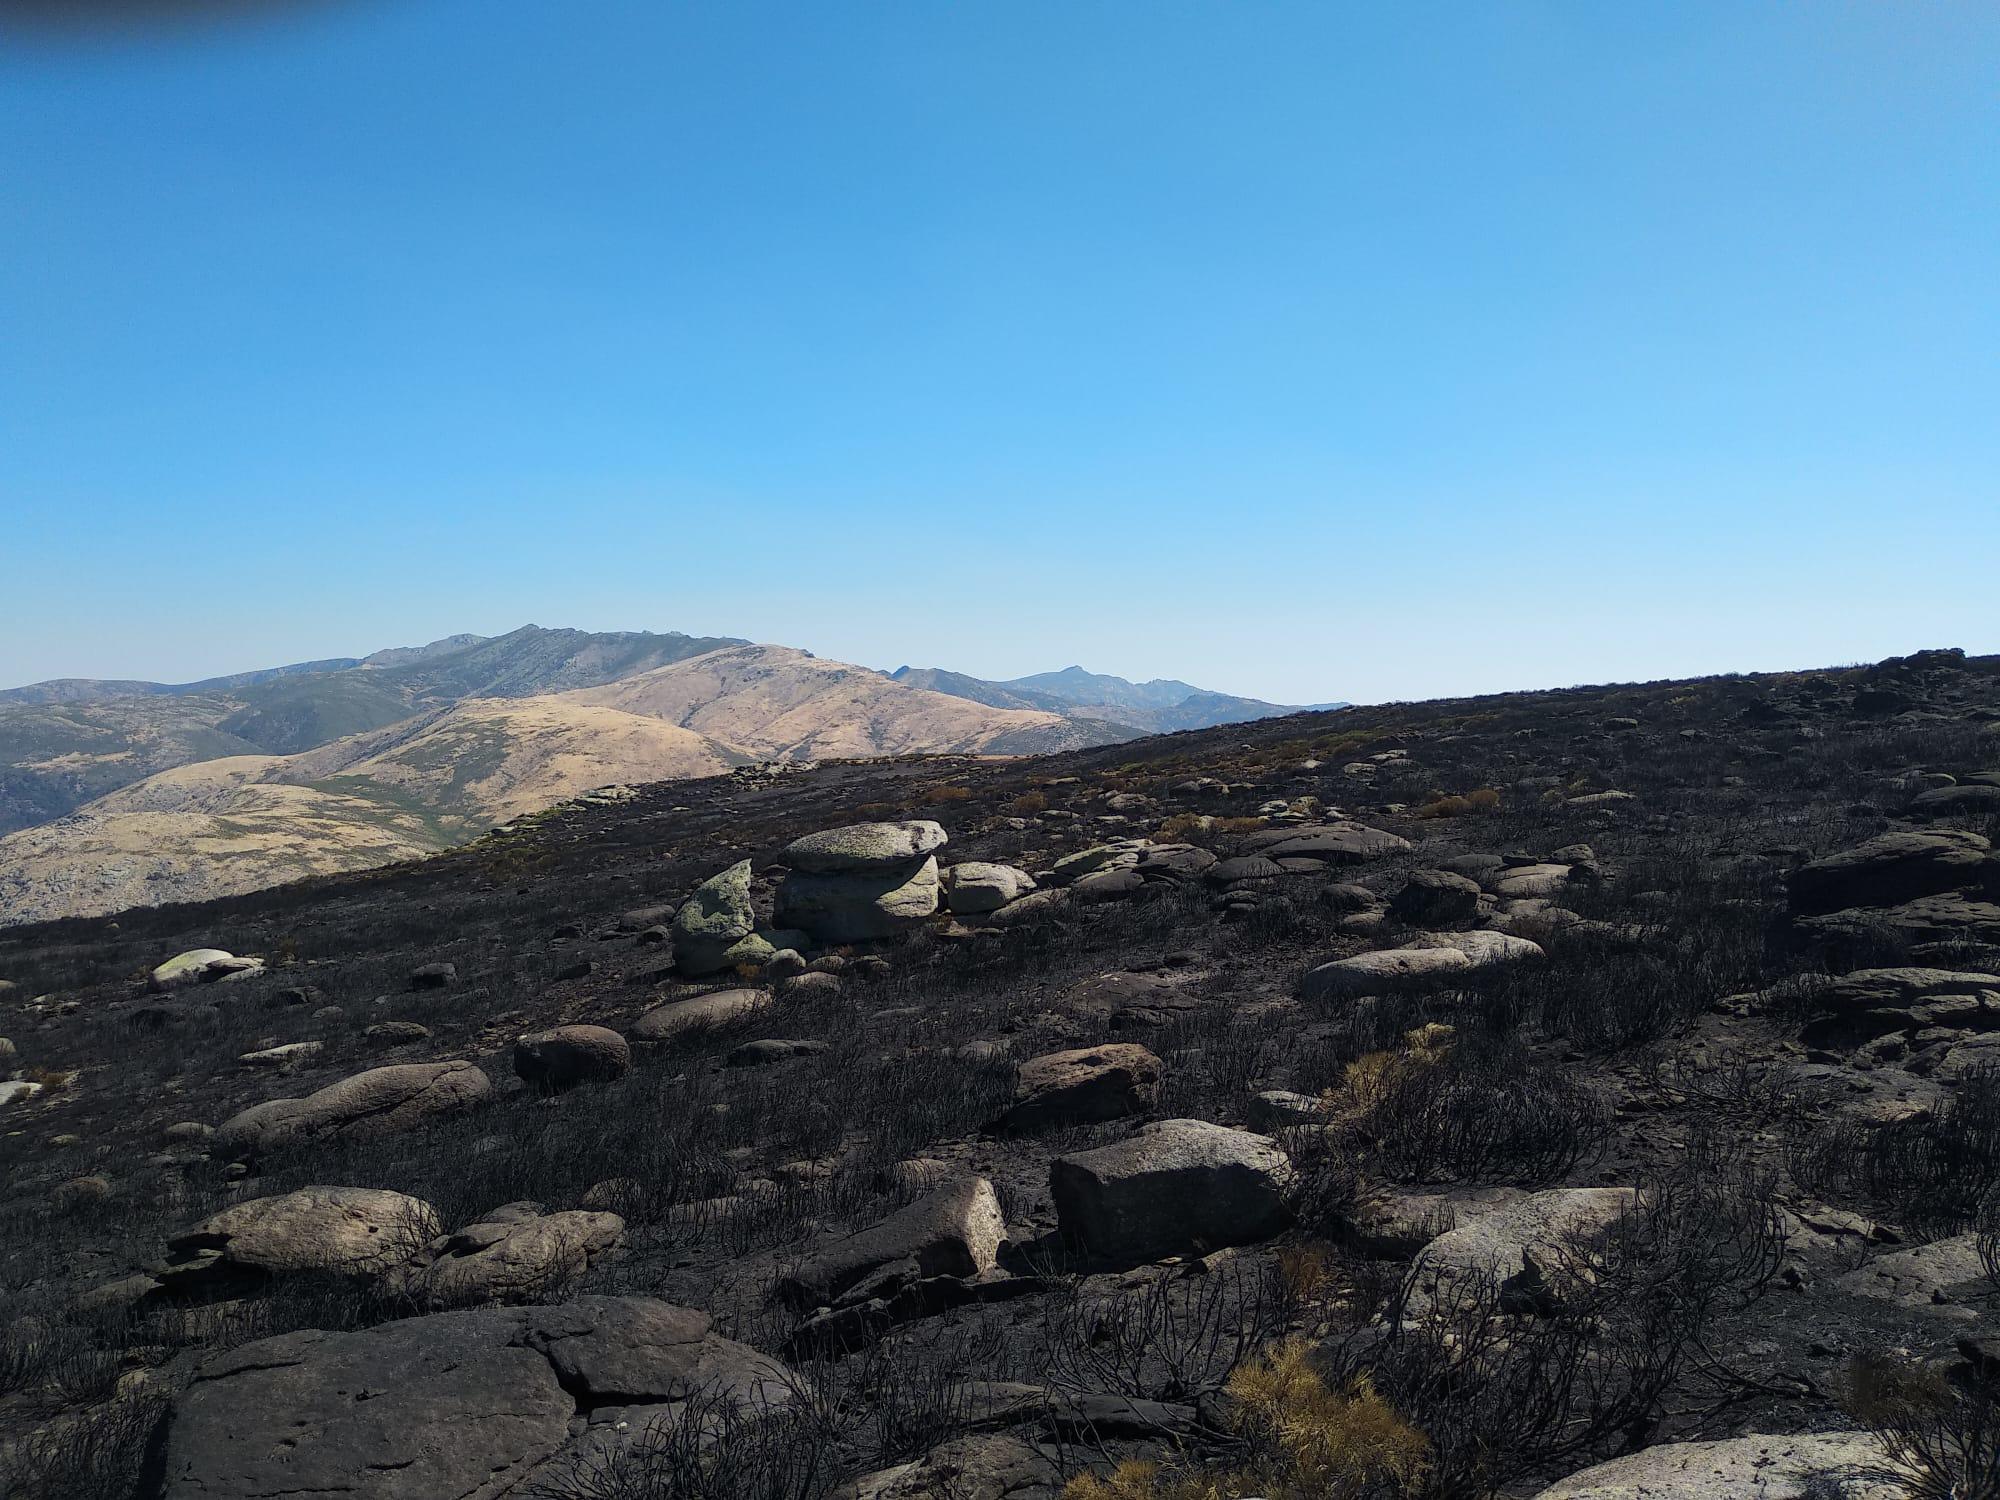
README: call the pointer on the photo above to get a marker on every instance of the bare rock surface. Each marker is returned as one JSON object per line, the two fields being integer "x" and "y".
{"x": 467, "y": 1404}
{"x": 1812, "y": 1466}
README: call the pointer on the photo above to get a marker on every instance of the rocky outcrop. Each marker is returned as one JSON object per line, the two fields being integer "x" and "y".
{"x": 861, "y": 882}
{"x": 1889, "y": 869}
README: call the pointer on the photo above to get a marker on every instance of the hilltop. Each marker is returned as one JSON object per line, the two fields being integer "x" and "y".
{"x": 1602, "y": 1074}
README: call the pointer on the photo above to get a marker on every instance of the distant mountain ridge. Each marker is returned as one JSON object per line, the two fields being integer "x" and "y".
{"x": 1161, "y": 706}
{"x": 65, "y": 742}
{"x": 118, "y": 794}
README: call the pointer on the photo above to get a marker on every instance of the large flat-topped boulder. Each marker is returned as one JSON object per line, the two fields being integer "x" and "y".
{"x": 1175, "y": 1187}
{"x": 381, "y": 1101}
{"x": 1889, "y": 869}
{"x": 865, "y": 848}
{"x": 468, "y": 1404}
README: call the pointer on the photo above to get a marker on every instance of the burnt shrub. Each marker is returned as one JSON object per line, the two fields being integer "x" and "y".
{"x": 1930, "y": 1173}
{"x": 1625, "y": 1323}
{"x": 1943, "y": 1435}
{"x": 1477, "y": 1110}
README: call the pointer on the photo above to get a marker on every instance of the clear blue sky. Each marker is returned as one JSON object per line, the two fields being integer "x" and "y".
{"x": 1309, "y": 350}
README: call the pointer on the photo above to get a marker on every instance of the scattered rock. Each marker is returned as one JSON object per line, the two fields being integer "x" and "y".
{"x": 954, "y": 1231}
{"x": 1176, "y": 1187}
{"x": 378, "y": 1102}
{"x": 514, "y": 1254}
{"x": 1081, "y": 1087}
{"x": 1438, "y": 960}
{"x": 1812, "y": 1466}
{"x": 360, "y": 1232}
{"x": 678, "y": 1018}
{"x": 973, "y": 888}
{"x": 1330, "y": 843}
{"x": 566, "y": 1056}
{"x": 1435, "y": 898}
{"x": 768, "y": 1050}
{"x": 396, "y": 1033}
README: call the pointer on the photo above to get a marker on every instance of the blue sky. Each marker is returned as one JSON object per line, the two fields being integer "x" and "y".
{"x": 1307, "y": 350}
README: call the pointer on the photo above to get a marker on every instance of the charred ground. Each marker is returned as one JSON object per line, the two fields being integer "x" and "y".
{"x": 1676, "y": 1039}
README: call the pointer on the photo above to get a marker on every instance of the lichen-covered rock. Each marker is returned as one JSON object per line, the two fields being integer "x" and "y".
{"x": 713, "y": 921}
{"x": 974, "y": 888}
{"x": 202, "y": 966}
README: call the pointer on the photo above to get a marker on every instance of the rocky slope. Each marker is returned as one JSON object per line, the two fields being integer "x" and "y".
{"x": 1603, "y": 1077}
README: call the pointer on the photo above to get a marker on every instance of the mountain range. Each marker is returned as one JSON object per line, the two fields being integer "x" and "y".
{"x": 116, "y": 794}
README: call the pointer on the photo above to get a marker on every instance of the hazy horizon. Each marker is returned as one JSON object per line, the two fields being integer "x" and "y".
{"x": 1303, "y": 352}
